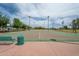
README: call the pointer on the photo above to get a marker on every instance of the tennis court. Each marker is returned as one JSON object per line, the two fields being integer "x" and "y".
{"x": 45, "y": 36}
{"x": 42, "y": 43}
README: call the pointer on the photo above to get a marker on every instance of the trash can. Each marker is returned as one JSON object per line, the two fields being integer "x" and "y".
{"x": 20, "y": 40}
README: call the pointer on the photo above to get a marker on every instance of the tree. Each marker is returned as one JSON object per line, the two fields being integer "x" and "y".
{"x": 65, "y": 27}
{"x": 77, "y": 22}
{"x": 39, "y": 27}
{"x": 3, "y": 21}
{"x": 0, "y": 20}
{"x": 17, "y": 23}
{"x": 74, "y": 25}
{"x": 24, "y": 26}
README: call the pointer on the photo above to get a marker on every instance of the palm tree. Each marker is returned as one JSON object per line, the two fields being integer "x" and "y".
{"x": 78, "y": 23}
{"x": 74, "y": 25}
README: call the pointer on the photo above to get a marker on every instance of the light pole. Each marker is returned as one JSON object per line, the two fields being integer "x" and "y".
{"x": 48, "y": 22}
{"x": 62, "y": 25}
{"x": 29, "y": 22}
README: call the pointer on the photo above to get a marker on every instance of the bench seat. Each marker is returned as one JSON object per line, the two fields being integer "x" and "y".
{"x": 6, "y": 40}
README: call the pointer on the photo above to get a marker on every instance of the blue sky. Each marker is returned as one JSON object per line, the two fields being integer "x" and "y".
{"x": 58, "y": 12}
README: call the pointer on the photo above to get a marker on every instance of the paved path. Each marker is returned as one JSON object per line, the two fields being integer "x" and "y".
{"x": 41, "y": 49}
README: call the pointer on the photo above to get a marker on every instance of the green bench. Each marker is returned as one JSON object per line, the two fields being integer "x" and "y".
{"x": 6, "y": 40}
{"x": 9, "y": 40}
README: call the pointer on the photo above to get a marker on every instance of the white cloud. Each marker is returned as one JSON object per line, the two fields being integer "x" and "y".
{"x": 27, "y": 10}
{"x": 52, "y": 10}
{"x": 43, "y": 10}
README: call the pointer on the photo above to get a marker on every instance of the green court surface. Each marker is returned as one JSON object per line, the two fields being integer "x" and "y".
{"x": 65, "y": 34}
{"x": 45, "y": 36}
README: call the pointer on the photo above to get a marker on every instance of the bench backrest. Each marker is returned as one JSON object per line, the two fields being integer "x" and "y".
{"x": 6, "y": 38}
